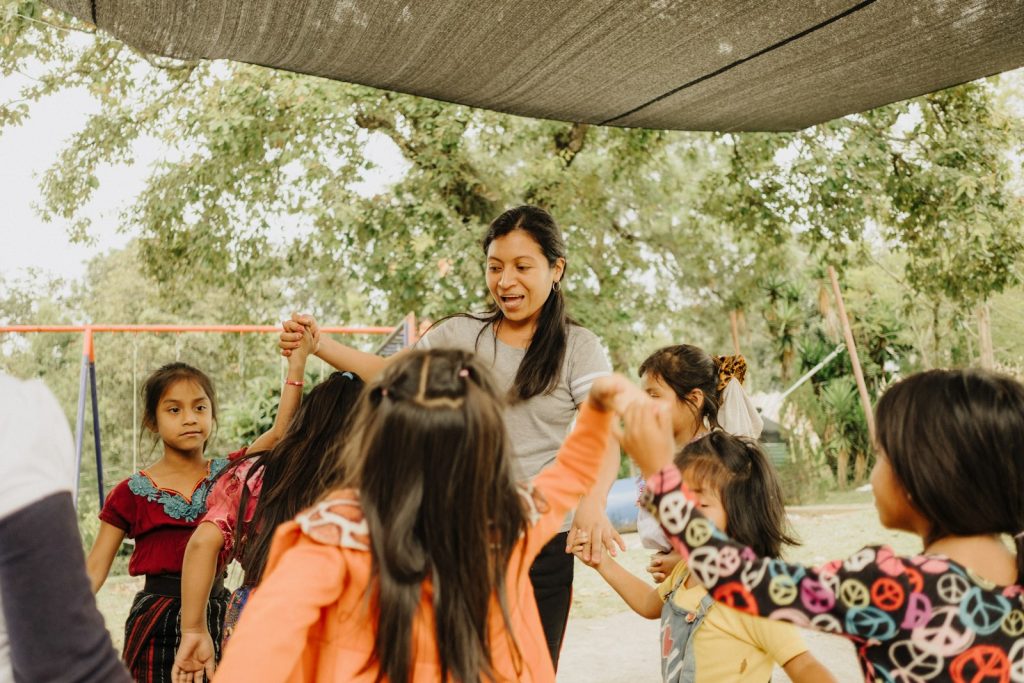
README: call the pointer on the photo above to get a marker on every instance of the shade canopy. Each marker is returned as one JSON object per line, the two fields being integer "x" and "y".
{"x": 677, "y": 64}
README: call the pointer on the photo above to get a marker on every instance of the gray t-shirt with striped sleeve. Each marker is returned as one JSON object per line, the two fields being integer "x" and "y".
{"x": 538, "y": 426}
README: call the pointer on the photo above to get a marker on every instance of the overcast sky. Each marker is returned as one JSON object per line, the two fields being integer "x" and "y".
{"x": 25, "y": 153}
{"x": 26, "y": 241}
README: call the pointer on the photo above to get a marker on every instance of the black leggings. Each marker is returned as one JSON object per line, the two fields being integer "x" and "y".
{"x": 551, "y": 576}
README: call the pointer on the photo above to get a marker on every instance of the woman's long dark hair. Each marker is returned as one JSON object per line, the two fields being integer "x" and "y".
{"x": 298, "y": 470}
{"x": 746, "y": 483}
{"x": 432, "y": 461}
{"x": 541, "y": 367}
{"x": 955, "y": 441}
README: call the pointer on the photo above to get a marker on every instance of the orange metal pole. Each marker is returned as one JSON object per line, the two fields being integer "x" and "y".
{"x": 256, "y": 329}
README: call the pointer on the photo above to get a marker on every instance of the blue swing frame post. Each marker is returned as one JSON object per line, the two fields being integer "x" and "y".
{"x": 88, "y": 378}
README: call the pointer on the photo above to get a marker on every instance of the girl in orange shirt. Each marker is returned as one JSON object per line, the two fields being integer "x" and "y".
{"x": 417, "y": 569}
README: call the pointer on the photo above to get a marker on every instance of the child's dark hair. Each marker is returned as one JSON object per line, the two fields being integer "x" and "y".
{"x": 746, "y": 483}
{"x": 684, "y": 368}
{"x": 162, "y": 379}
{"x": 955, "y": 441}
{"x": 298, "y": 470}
{"x": 431, "y": 458}
{"x": 541, "y": 367}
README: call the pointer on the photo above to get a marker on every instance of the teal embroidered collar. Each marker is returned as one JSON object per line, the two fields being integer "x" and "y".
{"x": 174, "y": 504}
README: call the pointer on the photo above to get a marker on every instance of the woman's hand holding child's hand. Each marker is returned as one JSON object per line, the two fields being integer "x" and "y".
{"x": 293, "y": 336}
{"x": 578, "y": 547}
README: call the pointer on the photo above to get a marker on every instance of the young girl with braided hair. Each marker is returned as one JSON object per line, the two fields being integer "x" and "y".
{"x": 949, "y": 468}
{"x": 417, "y": 567}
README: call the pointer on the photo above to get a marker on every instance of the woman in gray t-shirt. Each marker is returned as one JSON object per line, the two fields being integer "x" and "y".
{"x": 544, "y": 360}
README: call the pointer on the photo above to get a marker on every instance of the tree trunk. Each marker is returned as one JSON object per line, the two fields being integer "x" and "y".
{"x": 842, "y": 468}
{"x": 988, "y": 357}
{"x": 860, "y": 468}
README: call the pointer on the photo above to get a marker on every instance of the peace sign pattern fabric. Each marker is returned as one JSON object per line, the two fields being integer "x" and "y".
{"x": 920, "y": 618}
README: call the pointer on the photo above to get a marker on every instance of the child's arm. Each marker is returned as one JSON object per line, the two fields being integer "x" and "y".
{"x": 199, "y": 568}
{"x": 637, "y": 593}
{"x": 821, "y": 598}
{"x": 291, "y": 394}
{"x": 336, "y": 354}
{"x": 104, "y": 548}
{"x": 272, "y": 634}
{"x": 805, "y": 668}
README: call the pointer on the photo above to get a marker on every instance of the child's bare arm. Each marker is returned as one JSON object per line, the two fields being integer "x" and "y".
{"x": 199, "y": 569}
{"x": 104, "y": 548}
{"x": 336, "y": 354}
{"x": 291, "y": 394}
{"x": 637, "y": 593}
{"x": 804, "y": 668}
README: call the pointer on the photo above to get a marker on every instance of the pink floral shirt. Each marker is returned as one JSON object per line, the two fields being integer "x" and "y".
{"x": 222, "y": 505}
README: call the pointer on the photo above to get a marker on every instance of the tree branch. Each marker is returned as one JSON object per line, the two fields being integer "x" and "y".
{"x": 569, "y": 142}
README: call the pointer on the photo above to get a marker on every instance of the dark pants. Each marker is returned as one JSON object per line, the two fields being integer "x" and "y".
{"x": 551, "y": 576}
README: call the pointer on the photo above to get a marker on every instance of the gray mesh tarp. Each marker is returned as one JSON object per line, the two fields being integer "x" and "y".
{"x": 695, "y": 64}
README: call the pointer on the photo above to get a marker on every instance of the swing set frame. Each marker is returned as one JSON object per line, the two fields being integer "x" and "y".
{"x": 406, "y": 331}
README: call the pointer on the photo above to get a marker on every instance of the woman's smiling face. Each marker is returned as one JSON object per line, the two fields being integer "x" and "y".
{"x": 519, "y": 277}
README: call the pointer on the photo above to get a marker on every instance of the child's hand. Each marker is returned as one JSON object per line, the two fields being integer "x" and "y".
{"x": 292, "y": 337}
{"x": 194, "y": 658}
{"x": 613, "y": 393}
{"x": 662, "y": 563}
{"x": 307, "y": 345}
{"x": 646, "y": 435}
{"x": 578, "y": 544}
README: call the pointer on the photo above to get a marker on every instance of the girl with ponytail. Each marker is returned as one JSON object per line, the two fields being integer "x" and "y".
{"x": 949, "y": 468}
{"x": 700, "y": 641}
{"x": 701, "y": 393}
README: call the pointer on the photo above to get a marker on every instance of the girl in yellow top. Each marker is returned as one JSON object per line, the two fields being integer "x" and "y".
{"x": 702, "y": 641}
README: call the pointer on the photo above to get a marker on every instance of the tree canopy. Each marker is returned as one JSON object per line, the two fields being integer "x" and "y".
{"x": 258, "y": 202}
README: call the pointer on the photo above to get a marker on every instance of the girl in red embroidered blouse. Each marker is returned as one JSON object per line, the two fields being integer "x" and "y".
{"x": 256, "y": 494}
{"x": 161, "y": 505}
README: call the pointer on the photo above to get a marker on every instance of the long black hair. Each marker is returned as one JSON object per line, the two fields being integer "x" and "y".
{"x": 541, "y": 367}
{"x": 746, "y": 483}
{"x": 298, "y": 470}
{"x": 955, "y": 441}
{"x": 432, "y": 461}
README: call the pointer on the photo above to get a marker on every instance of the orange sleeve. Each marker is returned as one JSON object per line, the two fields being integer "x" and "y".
{"x": 571, "y": 475}
{"x": 302, "y": 577}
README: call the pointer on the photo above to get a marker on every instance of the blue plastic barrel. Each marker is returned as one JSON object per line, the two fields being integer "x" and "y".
{"x": 622, "y": 505}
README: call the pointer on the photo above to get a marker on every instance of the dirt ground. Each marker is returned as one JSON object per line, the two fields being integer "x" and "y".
{"x": 607, "y": 643}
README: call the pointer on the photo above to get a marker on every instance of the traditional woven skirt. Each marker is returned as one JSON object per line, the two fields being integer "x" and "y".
{"x": 153, "y": 630}
{"x": 235, "y": 606}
